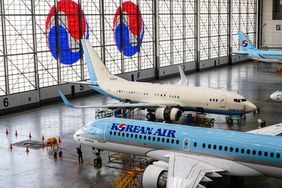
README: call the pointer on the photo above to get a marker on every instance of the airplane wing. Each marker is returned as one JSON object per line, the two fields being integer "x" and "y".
{"x": 192, "y": 170}
{"x": 90, "y": 83}
{"x": 118, "y": 105}
{"x": 185, "y": 172}
{"x": 278, "y": 61}
{"x": 241, "y": 52}
{"x": 273, "y": 130}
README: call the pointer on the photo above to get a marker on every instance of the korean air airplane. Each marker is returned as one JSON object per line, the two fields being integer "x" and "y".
{"x": 162, "y": 101}
{"x": 188, "y": 156}
{"x": 276, "y": 96}
{"x": 247, "y": 48}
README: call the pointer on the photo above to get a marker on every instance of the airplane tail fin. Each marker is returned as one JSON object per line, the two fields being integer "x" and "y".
{"x": 245, "y": 42}
{"x": 97, "y": 70}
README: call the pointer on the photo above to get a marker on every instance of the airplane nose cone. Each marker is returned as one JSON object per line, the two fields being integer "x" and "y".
{"x": 77, "y": 134}
{"x": 272, "y": 97}
{"x": 250, "y": 107}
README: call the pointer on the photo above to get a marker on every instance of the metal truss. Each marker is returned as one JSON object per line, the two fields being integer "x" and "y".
{"x": 175, "y": 32}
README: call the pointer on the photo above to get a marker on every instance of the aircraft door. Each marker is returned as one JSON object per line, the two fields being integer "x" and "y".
{"x": 186, "y": 144}
{"x": 223, "y": 101}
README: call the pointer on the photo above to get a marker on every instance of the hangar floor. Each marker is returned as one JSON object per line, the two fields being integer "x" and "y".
{"x": 37, "y": 168}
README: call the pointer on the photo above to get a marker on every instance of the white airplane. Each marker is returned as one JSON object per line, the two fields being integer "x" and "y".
{"x": 187, "y": 156}
{"x": 276, "y": 96}
{"x": 247, "y": 48}
{"x": 162, "y": 101}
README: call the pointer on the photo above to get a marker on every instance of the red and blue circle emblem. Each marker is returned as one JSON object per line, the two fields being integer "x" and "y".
{"x": 122, "y": 126}
{"x": 129, "y": 32}
{"x": 244, "y": 43}
{"x": 71, "y": 22}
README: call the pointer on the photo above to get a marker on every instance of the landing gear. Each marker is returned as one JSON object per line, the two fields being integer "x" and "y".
{"x": 229, "y": 121}
{"x": 150, "y": 117}
{"x": 120, "y": 113}
{"x": 98, "y": 160}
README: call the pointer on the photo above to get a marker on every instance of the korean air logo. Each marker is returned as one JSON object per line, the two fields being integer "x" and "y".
{"x": 244, "y": 43}
{"x": 122, "y": 127}
{"x": 72, "y": 27}
{"x": 130, "y": 32}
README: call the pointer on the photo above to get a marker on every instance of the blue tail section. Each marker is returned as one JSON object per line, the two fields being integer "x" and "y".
{"x": 245, "y": 42}
{"x": 90, "y": 67}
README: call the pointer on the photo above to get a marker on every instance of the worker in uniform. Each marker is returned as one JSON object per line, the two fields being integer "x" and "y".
{"x": 79, "y": 153}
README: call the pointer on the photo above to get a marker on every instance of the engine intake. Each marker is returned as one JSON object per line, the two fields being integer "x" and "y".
{"x": 154, "y": 176}
{"x": 168, "y": 114}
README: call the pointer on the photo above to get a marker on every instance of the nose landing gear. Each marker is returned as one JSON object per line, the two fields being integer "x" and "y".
{"x": 97, "y": 160}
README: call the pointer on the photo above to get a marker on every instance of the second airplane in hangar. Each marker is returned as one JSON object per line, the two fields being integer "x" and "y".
{"x": 162, "y": 101}
{"x": 276, "y": 96}
{"x": 187, "y": 156}
{"x": 248, "y": 49}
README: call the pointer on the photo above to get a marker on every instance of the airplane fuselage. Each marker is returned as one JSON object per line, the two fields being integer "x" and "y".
{"x": 265, "y": 55}
{"x": 188, "y": 98}
{"x": 242, "y": 154}
{"x": 276, "y": 96}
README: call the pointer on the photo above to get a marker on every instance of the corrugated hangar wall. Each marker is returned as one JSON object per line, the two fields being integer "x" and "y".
{"x": 139, "y": 39}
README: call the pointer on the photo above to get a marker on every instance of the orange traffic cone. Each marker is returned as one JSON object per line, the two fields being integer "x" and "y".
{"x": 29, "y": 135}
{"x": 7, "y": 132}
{"x": 11, "y": 146}
{"x": 27, "y": 150}
{"x": 16, "y": 133}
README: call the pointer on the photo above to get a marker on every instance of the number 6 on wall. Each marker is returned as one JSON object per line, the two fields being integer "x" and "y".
{"x": 5, "y": 102}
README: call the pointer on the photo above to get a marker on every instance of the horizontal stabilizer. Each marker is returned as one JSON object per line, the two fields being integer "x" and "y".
{"x": 65, "y": 100}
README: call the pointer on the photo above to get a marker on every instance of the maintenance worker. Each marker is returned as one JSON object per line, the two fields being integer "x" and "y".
{"x": 55, "y": 155}
{"x": 79, "y": 152}
{"x": 60, "y": 153}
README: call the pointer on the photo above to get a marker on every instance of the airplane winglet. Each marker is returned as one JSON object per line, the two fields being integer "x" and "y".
{"x": 183, "y": 79}
{"x": 65, "y": 100}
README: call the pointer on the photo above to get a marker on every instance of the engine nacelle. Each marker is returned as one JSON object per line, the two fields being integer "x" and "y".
{"x": 154, "y": 177}
{"x": 168, "y": 114}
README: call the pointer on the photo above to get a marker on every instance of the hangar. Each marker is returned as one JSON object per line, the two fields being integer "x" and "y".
{"x": 49, "y": 47}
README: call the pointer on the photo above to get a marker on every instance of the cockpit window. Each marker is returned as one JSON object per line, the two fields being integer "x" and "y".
{"x": 84, "y": 128}
{"x": 240, "y": 100}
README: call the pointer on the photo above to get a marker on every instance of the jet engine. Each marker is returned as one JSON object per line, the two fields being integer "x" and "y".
{"x": 154, "y": 176}
{"x": 168, "y": 114}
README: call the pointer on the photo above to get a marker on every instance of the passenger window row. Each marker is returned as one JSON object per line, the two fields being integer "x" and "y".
{"x": 239, "y": 150}
{"x": 145, "y": 137}
{"x": 214, "y": 100}
{"x": 132, "y": 92}
{"x": 88, "y": 140}
{"x": 164, "y": 95}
